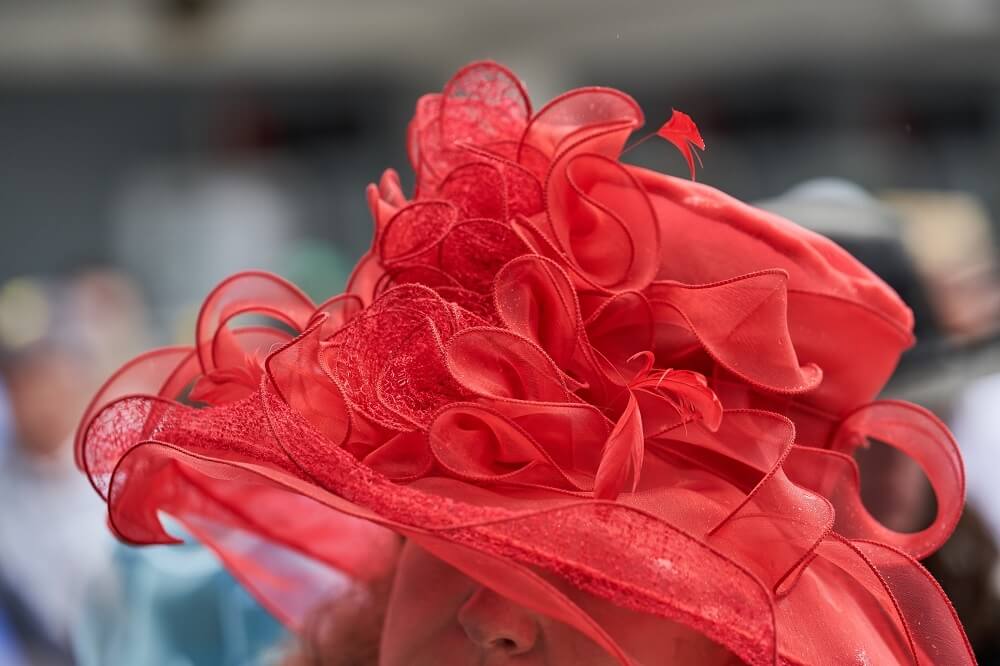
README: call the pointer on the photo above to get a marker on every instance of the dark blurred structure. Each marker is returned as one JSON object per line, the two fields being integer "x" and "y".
{"x": 180, "y": 140}
{"x": 96, "y": 95}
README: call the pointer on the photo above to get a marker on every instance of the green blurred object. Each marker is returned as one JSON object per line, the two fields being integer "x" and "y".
{"x": 174, "y": 606}
{"x": 317, "y": 268}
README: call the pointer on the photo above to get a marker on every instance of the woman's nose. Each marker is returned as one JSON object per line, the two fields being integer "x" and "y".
{"x": 496, "y": 625}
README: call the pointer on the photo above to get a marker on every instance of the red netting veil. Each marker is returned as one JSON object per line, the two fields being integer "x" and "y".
{"x": 553, "y": 362}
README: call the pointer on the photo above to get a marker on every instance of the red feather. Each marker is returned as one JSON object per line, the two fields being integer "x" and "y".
{"x": 681, "y": 131}
{"x": 621, "y": 461}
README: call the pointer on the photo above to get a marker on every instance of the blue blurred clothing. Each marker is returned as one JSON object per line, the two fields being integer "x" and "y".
{"x": 10, "y": 647}
{"x": 174, "y": 606}
{"x": 53, "y": 540}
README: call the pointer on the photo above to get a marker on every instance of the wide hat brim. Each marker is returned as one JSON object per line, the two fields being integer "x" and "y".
{"x": 287, "y": 512}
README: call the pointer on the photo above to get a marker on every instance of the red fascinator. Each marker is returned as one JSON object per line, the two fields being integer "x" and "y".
{"x": 553, "y": 361}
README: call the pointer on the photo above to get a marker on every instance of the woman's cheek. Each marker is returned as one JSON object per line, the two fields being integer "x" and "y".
{"x": 421, "y": 624}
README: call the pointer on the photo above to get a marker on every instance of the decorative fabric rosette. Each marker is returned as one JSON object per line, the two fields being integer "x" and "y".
{"x": 557, "y": 362}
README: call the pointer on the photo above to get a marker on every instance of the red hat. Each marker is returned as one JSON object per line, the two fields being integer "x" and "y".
{"x": 553, "y": 361}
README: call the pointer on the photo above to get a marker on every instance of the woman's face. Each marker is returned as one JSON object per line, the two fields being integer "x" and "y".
{"x": 438, "y": 616}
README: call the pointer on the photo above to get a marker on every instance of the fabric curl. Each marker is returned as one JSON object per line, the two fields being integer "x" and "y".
{"x": 551, "y": 360}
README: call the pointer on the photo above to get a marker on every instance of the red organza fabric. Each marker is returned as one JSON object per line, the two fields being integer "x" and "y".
{"x": 553, "y": 361}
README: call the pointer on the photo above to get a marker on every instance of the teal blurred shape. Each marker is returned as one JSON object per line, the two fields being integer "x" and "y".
{"x": 174, "y": 606}
{"x": 316, "y": 267}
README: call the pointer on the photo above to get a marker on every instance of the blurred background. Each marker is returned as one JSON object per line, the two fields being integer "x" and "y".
{"x": 148, "y": 148}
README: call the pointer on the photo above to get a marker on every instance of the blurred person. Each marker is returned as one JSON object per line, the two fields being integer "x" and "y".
{"x": 174, "y": 600}
{"x": 611, "y": 413}
{"x": 950, "y": 235}
{"x": 10, "y": 642}
{"x": 57, "y": 337}
{"x": 50, "y": 545}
